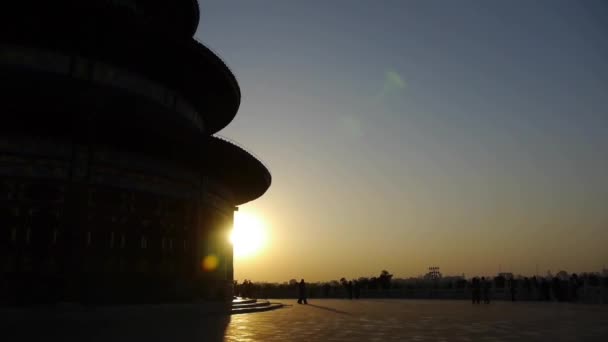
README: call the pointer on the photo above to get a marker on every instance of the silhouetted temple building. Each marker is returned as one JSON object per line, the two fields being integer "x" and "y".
{"x": 113, "y": 188}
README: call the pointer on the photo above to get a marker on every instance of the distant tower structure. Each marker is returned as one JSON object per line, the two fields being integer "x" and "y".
{"x": 434, "y": 273}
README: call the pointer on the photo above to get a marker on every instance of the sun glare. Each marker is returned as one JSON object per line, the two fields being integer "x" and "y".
{"x": 248, "y": 236}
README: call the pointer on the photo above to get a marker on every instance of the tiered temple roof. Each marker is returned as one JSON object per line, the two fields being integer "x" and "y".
{"x": 134, "y": 77}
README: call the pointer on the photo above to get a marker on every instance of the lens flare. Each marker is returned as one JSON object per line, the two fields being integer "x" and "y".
{"x": 210, "y": 263}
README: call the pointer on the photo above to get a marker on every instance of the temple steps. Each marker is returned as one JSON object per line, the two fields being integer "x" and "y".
{"x": 248, "y": 305}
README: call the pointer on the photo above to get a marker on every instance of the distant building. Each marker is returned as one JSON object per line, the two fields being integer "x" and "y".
{"x": 433, "y": 273}
{"x": 113, "y": 188}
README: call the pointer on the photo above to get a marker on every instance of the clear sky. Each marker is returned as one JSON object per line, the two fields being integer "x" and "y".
{"x": 401, "y": 134}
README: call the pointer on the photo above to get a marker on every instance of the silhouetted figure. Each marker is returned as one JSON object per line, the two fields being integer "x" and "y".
{"x": 349, "y": 288}
{"x": 476, "y": 290}
{"x": 535, "y": 288}
{"x": 575, "y": 283}
{"x": 545, "y": 290}
{"x": 486, "y": 290}
{"x": 247, "y": 289}
{"x": 326, "y": 288}
{"x": 302, "y": 292}
{"x": 512, "y": 288}
{"x": 357, "y": 289}
{"x": 556, "y": 287}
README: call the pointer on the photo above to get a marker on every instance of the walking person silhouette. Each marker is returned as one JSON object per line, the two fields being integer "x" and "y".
{"x": 485, "y": 287}
{"x": 302, "y": 292}
{"x": 476, "y": 289}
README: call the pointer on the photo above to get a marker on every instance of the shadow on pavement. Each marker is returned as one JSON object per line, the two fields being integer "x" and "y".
{"x": 171, "y": 325}
{"x": 329, "y": 309}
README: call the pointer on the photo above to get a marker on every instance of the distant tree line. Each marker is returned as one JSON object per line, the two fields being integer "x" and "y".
{"x": 589, "y": 287}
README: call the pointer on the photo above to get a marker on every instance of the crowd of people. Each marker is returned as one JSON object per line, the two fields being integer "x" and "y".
{"x": 542, "y": 289}
{"x": 480, "y": 287}
{"x": 561, "y": 287}
{"x": 246, "y": 289}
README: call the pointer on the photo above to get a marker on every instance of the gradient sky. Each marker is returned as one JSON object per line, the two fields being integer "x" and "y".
{"x": 400, "y": 134}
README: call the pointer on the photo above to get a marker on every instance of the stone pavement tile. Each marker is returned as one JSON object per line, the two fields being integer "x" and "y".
{"x": 420, "y": 320}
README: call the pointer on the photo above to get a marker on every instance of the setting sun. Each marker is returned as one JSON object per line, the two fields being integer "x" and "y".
{"x": 248, "y": 236}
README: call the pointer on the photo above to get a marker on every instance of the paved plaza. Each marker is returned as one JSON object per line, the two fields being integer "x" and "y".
{"x": 422, "y": 320}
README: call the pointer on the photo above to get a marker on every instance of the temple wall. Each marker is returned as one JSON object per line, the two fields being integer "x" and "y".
{"x": 89, "y": 224}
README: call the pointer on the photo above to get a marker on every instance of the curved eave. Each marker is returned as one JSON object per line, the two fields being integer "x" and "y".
{"x": 184, "y": 66}
{"x": 238, "y": 170}
{"x": 95, "y": 112}
{"x": 197, "y": 15}
{"x": 226, "y": 90}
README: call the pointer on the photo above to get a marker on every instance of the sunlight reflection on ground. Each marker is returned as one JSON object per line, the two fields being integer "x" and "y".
{"x": 419, "y": 320}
